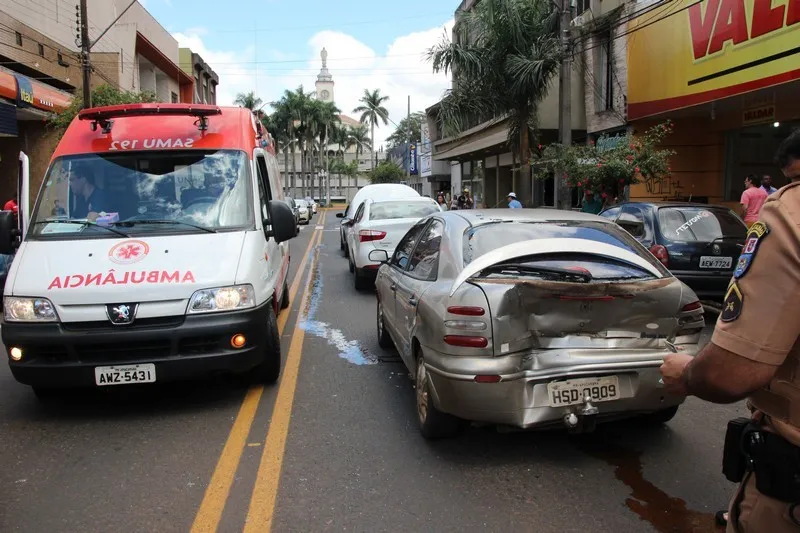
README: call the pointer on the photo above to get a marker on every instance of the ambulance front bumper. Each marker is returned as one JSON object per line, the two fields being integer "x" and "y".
{"x": 65, "y": 355}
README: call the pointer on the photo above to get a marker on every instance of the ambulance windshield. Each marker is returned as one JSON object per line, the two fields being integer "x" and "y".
{"x": 137, "y": 193}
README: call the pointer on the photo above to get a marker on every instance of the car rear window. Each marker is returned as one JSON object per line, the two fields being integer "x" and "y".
{"x": 395, "y": 210}
{"x": 480, "y": 240}
{"x": 699, "y": 224}
{"x": 554, "y": 267}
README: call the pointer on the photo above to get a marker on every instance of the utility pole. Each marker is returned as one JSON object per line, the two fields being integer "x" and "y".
{"x": 85, "y": 47}
{"x": 560, "y": 189}
{"x": 408, "y": 130}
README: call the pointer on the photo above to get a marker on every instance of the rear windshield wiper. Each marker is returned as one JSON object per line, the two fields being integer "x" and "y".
{"x": 561, "y": 273}
{"x": 131, "y": 223}
{"x": 81, "y": 222}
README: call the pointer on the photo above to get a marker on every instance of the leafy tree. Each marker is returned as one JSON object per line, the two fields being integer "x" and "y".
{"x": 372, "y": 111}
{"x": 102, "y": 96}
{"x": 387, "y": 172}
{"x": 503, "y": 59}
{"x": 248, "y": 100}
{"x": 407, "y": 131}
{"x": 606, "y": 171}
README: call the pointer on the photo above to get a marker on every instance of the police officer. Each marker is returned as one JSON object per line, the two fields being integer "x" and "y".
{"x": 754, "y": 353}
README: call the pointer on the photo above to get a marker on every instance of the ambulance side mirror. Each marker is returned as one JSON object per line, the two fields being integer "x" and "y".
{"x": 9, "y": 234}
{"x": 282, "y": 224}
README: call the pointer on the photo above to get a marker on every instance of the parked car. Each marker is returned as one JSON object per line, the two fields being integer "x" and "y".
{"x": 380, "y": 224}
{"x": 532, "y": 318}
{"x": 293, "y": 206}
{"x": 378, "y": 191}
{"x": 699, "y": 243}
{"x": 303, "y": 211}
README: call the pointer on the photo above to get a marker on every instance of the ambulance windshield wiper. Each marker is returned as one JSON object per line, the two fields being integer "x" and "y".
{"x": 131, "y": 223}
{"x": 81, "y": 222}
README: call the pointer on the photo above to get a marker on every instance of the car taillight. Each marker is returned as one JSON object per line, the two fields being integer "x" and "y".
{"x": 694, "y": 306}
{"x": 466, "y": 341}
{"x": 661, "y": 254}
{"x": 370, "y": 235}
{"x": 466, "y": 310}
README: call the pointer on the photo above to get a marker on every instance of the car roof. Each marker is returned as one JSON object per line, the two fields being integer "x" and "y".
{"x": 387, "y": 191}
{"x": 662, "y": 204}
{"x": 477, "y": 217}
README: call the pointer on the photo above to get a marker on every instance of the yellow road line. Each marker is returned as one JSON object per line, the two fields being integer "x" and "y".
{"x": 213, "y": 504}
{"x": 265, "y": 492}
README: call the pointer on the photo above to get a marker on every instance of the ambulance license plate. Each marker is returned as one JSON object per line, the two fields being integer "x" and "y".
{"x": 124, "y": 375}
{"x": 574, "y": 391}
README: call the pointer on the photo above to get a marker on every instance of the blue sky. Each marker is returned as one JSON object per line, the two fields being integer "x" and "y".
{"x": 370, "y": 45}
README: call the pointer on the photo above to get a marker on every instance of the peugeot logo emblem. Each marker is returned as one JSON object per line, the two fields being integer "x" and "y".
{"x": 121, "y": 314}
{"x": 716, "y": 249}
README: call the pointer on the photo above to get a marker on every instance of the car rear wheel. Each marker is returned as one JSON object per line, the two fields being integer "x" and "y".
{"x": 384, "y": 340}
{"x": 661, "y": 417}
{"x": 350, "y": 265}
{"x": 270, "y": 368}
{"x": 433, "y": 424}
{"x": 360, "y": 281}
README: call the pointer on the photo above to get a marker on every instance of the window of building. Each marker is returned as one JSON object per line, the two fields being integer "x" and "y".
{"x": 582, "y": 6}
{"x": 174, "y": 98}
{"x": 604, "y": 72}
{"x": 19, "y": 38}
{"x": 41, "y": 49}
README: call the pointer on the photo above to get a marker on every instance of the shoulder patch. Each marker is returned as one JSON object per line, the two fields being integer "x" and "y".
{"x": 734, "y": 301}
{"x": 755, "y": 234}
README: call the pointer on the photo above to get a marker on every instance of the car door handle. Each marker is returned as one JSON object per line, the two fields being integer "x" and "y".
{"x": 413, "y": 301}
{"x": 393, "y": 287}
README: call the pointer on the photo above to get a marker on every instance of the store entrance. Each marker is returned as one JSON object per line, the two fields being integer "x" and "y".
{"x": 751, "y": 151}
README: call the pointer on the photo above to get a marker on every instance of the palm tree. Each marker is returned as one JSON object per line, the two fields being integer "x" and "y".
{"x": 248, "y": 100}
{"x": 503, "y": 69}
{"x": 359, "y": 137}
{"x": 372, "y": 111}
{"x": 323, "y": 116}
{"x": 291, "y": 110}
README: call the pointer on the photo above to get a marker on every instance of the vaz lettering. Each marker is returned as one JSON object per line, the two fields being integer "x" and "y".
{"x": 148, "y": 144}
{"x": 727, "y": 20}
{"x": 73, "y": 281}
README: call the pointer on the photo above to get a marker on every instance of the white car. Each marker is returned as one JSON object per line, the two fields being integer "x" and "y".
{"x": 378, "y": 191}
{"x": 379, "y": 225}
{"x": 303, "y": 211}
{"x": 312, "y": 204}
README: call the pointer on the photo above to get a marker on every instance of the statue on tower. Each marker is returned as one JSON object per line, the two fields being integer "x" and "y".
{"x": 324, "y": 56}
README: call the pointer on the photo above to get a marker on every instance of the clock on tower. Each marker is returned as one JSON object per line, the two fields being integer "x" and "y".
{"x": 325, "y": 94}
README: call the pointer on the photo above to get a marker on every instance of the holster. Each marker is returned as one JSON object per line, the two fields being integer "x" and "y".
{"x": 774, "y": 461}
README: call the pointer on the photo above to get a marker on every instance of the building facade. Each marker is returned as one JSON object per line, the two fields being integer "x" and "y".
{"x": 728, "y": 75}
{"x": 480, "y": 160}
{"x": 206, "y": 80}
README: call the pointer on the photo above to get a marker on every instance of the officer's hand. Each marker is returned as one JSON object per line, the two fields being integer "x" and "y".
{"x": 672, "y": 372}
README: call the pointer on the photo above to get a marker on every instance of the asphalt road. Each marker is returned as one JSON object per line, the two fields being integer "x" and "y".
{"x": 335, "y": 447}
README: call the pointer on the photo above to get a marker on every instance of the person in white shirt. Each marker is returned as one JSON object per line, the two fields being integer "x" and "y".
{"x": 766, "y": 184}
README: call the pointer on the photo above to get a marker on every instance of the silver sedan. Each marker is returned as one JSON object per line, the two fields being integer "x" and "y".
{"x": 532, "y": 318}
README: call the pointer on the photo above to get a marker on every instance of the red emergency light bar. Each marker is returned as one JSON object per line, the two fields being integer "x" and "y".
{"x": 102, "y": 115}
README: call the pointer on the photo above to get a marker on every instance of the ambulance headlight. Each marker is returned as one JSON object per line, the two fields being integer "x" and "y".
{"x": 28, "y": 310}
{"x": 222, "y": 299}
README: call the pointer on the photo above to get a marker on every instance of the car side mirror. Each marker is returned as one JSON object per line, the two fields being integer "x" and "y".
{"x": 282, "y": 226}
{"x": 9, "y": 234}
{"x": 379, "y": 256}
{"x": 339, "y": 215}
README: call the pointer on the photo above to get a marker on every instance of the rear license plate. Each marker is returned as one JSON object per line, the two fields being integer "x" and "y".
{"x": 574, "y": 391}
{"x": 708, "y": 261}
{"x": 124, "y": 375}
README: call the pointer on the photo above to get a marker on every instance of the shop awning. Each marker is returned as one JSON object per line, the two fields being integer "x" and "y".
{"x": 480, "y": 143}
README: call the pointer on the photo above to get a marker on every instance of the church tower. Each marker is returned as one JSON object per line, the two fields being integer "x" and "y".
{"x": 324, "y": 83}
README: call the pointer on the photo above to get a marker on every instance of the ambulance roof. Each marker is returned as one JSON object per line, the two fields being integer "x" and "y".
{"x": 135, "y": 127}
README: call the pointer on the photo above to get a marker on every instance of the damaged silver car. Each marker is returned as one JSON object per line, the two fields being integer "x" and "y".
{"x": 532, "y": 318}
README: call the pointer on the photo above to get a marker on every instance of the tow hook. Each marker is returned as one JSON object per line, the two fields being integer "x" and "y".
{"x": 584, "y": 420}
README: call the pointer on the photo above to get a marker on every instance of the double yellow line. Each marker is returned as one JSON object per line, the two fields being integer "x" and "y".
{"x": 265, "y": 492}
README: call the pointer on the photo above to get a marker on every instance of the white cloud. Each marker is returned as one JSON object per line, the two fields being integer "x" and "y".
{"x": 399, "y": 71}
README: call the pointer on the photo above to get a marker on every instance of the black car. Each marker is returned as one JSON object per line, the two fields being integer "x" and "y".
{"x": 699, "y": 243}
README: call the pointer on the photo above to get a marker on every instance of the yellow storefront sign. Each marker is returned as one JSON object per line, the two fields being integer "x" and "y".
{"x": 688, "y": 52}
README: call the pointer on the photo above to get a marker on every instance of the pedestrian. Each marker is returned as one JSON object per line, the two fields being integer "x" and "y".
{"x": 441, "y": 201}
{"x": 746, "y": 360}
{"x": 753, "y": 198}
{"x": 766, "y": 184}
{"x": 513, "y": 203}
{"x": 592, "y": 204}
{"x": 469, "y": 203}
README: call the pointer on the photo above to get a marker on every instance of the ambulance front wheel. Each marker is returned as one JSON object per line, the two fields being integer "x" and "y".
{"x": 269, "y": 370}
